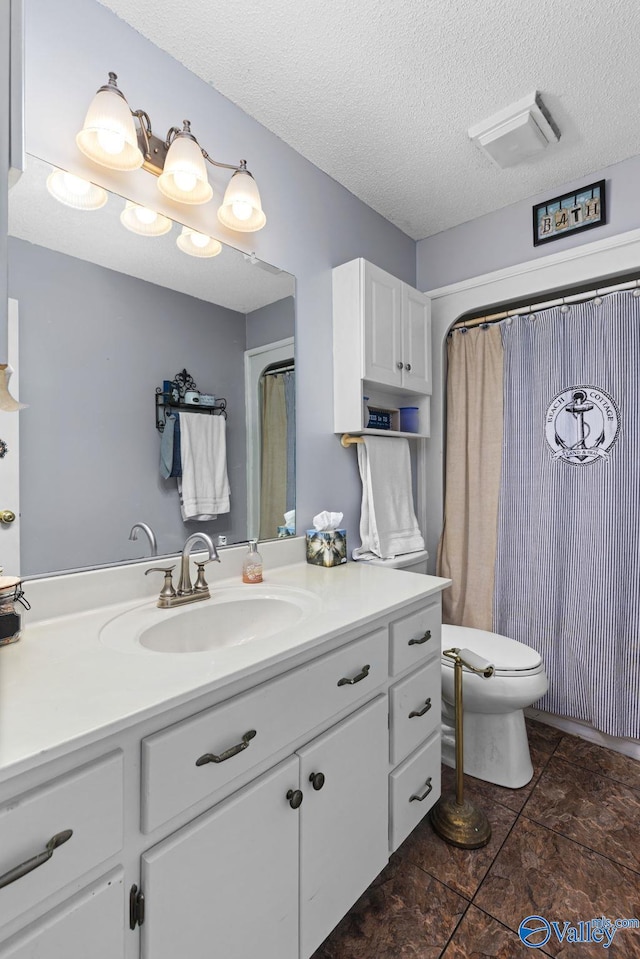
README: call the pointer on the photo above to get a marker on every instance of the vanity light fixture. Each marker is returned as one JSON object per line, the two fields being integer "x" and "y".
{"x": 197, "y": 244}
{"x": 75, "y": 192}
{"x": 143, "y": 221}
{"x": 110, "y": 138}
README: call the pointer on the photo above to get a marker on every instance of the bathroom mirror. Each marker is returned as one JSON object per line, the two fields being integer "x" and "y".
{"x": 105, "y": 317}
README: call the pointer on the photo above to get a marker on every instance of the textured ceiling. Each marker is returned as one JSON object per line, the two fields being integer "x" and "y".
{"x": 380, "y": 94}
{"x": 229, "y": 279}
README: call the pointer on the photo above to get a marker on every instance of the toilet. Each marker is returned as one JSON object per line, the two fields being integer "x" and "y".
{"x": 496, "y": 748}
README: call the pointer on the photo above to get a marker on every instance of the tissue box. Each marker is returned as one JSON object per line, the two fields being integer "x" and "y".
{"x": 284, "y": 531}
{"x": 327, "y": 547}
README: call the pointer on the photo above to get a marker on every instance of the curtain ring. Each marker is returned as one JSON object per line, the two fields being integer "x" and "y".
{"x": 565, "y": 307}
{"x": 636, "y": 292}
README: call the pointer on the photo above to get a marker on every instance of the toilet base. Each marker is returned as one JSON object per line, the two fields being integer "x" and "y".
{"x": 496, "y": 748}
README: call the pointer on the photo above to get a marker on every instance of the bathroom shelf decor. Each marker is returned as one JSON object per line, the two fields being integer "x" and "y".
{"x": 182, "y": 394}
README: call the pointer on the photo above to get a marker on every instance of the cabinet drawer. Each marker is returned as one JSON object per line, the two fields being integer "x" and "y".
{"x": 279, "y": 712}
{"x": 88, "y": 925}
{"x": 414, "y": 709}
{"x": 415, "y": 638}
{"x": 413, "y": 778}
{"x": 89, "y": 802}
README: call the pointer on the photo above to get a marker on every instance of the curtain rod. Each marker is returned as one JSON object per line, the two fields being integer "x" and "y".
{"x": 281, "y": 369}
{"x": 497, "y": 317}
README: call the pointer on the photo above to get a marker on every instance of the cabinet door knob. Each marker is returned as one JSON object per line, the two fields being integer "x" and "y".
{"x": 421, "y": 640}
{"x": 407, "y": 367}
{"x": 295, "y": 798}
{"x": 356, "y": 679}
{"x": 422, "y": 795}
{"x": 421, "y": 712}
{"x": 317, "y": 780}
{"x": 400, "y": 365}
{"x": 19, "y": 871}
{"x": 7, "y": 516}
{"x": 228, "y": 753}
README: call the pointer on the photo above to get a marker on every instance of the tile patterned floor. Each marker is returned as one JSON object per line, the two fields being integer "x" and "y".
{"x": 566, "y": 847}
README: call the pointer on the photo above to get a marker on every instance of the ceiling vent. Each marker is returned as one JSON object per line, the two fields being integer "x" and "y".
{"x": 516, "y": 134}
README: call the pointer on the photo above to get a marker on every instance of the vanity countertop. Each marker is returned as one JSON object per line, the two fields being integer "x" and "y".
{"x": 61, "y": 687}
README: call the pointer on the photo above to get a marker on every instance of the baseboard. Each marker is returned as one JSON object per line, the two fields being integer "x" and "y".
{"x": 629, "y": 747}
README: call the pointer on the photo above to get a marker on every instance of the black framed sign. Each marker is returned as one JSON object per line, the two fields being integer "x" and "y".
{"x": 573, "y": 212}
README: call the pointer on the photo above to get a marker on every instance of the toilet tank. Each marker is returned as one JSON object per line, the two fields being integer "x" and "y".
{"x": 410, "y": 562}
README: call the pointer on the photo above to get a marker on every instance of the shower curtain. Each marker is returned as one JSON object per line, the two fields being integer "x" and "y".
{"x": 277, "y": 484}
{"x": 467, "y": 549}
{"x": 567, "y": 569}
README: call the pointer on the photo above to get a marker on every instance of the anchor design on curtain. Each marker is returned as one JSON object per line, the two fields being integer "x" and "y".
{"x": 581, "y": 425}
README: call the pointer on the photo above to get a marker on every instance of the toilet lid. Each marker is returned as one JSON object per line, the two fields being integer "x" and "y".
{"x": 506, "y": 654}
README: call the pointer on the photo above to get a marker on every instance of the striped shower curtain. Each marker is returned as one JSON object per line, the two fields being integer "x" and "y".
{"x": 567, "y": 571}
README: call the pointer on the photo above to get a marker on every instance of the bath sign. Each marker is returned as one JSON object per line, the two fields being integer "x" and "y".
{"x": 570, "y": 213}
{"x": 581, "y": 425}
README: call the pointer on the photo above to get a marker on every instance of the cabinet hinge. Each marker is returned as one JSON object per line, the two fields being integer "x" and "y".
{"x": 136, "y": 907}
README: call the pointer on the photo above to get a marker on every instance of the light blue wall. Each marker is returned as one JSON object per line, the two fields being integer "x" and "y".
{"x": 505, "y": 237}
{"x": 271, "y": 323}
{"x": 313, "y": 223}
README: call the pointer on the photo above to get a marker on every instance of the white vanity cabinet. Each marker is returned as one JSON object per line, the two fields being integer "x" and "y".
{"x": 280, "y": 861}
{"x": 262, "y": 848}
{"x": 381, "y": 345}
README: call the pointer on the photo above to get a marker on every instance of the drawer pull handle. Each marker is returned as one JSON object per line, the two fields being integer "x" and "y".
{"x": 421, "y": 796}
{"x": 19, "y": 871}
{"x": 421, "y": 712}
{"x": 317, "y": 780}
{"x": 228, "y": 753}
{"x": 295, "y": 798}
{"x": 356, "y": 679}
{"x": 423, "y": 639}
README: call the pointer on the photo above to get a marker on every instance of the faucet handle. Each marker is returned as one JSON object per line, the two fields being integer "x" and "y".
{"x": 201, "y": 584}
{"x": 167, "y": 590}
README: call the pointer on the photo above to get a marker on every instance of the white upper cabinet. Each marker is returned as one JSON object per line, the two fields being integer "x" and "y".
{"x": 416, "y": 340}
{"x": 381, "y": 346}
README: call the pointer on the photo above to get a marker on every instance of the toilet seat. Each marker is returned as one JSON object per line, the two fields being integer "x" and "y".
{"x": 509, "y": 657}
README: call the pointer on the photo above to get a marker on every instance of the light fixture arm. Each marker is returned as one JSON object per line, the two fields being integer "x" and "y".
{"x": 144, "y": 122}
{"x": 242, "y": 168}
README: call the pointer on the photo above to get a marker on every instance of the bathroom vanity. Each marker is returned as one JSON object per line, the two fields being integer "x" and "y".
{"x": 244, "y": 794}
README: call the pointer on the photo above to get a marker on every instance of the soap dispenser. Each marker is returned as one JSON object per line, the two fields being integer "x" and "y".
{"x": 252, "y": 564}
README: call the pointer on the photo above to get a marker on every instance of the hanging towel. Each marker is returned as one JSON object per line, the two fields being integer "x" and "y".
{"x": 176, "y": 467}
{"x": 166, "y": 446}
{"x": 204, "y": 488}
{"x": 388, "y": 524}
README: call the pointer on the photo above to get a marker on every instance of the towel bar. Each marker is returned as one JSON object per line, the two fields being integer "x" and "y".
{"x": 347, "y": 440}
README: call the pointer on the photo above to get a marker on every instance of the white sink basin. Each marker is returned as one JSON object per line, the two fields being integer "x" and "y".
{"x": 234, "y": 615}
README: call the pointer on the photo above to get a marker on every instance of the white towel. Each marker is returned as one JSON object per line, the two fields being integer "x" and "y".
{"x": 204, "y": 490}
{"x": 388, "y": 524}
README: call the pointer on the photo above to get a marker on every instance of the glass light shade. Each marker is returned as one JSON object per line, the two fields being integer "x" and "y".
{"x": 145, "y": 222}
{"x": 109, "y": 134}
{"x": 74, "y": 191}
{"x": 241, "y": 208}
{"x": 198, "y": 244}
{"x": 184, "y": 177}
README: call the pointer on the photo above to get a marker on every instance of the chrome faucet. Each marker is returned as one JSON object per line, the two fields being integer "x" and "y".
{"x": 186, "y": 593}
{"x": 184, "y": 585}
{"x": 151, "y": 536}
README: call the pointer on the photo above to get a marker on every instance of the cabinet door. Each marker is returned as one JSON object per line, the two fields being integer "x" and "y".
{"x": 91, "y": 926}
{"x": 382, "y": 326}
{"x": 416, "y": 340}
{"x": 344, "y": 825}
{"x": 227, "y": 883}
